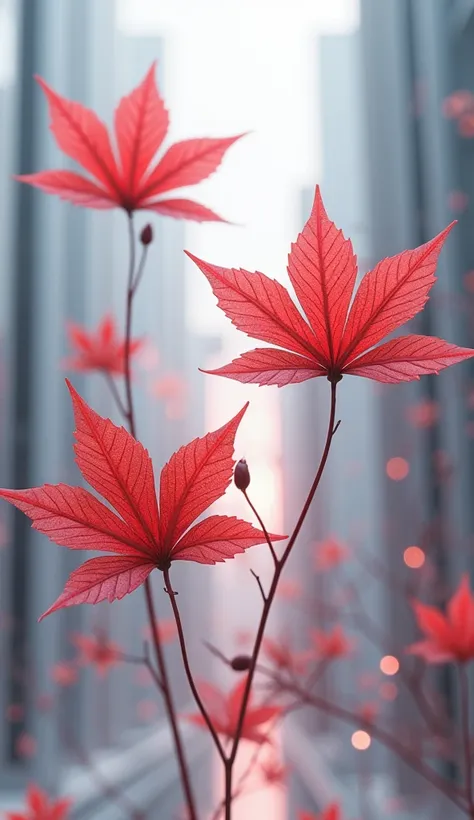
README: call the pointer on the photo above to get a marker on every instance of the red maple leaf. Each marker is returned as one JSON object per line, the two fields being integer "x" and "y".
{"x": 450, "y": 636}
{"x": 338, "y": 337}
{"x": 101, "y": 350}
{"x": 224, "y": 710}
{"x": 127, "y": 177}
{"x": 97, "y": 650}
{"x": 40, "y": 807}
{"x": 331, "y": 644}
{"x": 140, "y": 535}
{"x": 331, "y": 812}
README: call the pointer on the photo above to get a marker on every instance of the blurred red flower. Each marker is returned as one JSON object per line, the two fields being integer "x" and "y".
{"x": 331, "y": 812}
{"x": 330, "y": 553}
{"x": 64, "y": 673}
{"x": 450, "y": 636}
{"x": 26, "y": 745}
{"x": 290, "y": 589}
{"x": 424, "y": 413}
{"x": 224, "y": 709}
{"x": 332, "y": 643}
{"x": 281, "y": 655}
{"x": 171, "y": 389}
{"x": 98, "y": 651}
{"x": 273, "y": 772}
{"x": 40, "y": 807}
{"x": 102, "y": 349}
{"x": 458, "y": 103}
{"x": 167, "y": 630}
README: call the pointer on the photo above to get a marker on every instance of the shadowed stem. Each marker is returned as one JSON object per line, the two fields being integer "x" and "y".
{"x": 269, "y": 601}
{"x": 128, "y": 328}
{"x": 128, "y": 411}
{"x": 389, "y": 741}
{"x": 239, "y": 789}
{"x": 466, "y": 735}
{"x": 262, "y": 525}
{"x": 146, "y": 662}
{"x": 187, "y": 667}
{"x": 170, "y": 708}
{"x": 116, "y": 395}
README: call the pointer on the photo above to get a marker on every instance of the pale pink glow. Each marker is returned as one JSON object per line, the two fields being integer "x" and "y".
{"x": 267, "y": 802}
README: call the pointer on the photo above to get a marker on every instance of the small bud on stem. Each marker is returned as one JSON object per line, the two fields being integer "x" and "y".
{"x": 241, "y": 475}
{"x": 146, "y": 236}
{"x": 240, "y": 663}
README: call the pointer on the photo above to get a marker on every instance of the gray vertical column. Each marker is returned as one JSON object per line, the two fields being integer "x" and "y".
{"x": 90, "y": 286}
{"x": 34, "y": 421}
{"x": 394, "y": 224}
{"x": 405, "y": 59}
{"x": 353, "y": 470}
{"x": 8, "y": 247}
{"x": 434, "y": 49}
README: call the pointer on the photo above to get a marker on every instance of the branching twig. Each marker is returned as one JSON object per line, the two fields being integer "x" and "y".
{"x": 162, "y": 680}
{"x": 268, "y": 604}
{"x": 187, "y": 666}
{"x": 262, "y": 592}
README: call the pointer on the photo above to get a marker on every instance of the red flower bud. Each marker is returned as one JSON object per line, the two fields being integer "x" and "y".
{"x": 146, "y": 236}
{"x": 241, "y": 475}
{"x": 240, "y": 663}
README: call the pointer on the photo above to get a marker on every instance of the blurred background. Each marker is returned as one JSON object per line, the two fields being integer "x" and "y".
{"x": 372, "y": 100}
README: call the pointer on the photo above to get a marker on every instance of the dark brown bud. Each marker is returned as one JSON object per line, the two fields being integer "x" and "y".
{"x": 240, "y": 663}
{"x": 146, "y": 236}
{"x": 241, "y": 475}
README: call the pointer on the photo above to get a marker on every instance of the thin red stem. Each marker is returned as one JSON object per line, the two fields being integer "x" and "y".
{"x": 165, "y": 688}
{"x": 269, "y": 601}
{"x": 262, "y": 525}
{"x": 466, "y": 734}
{"x": 128, "y": 328}
{"x": 116, "y": 395}
{"x": 170, "y": 707}
{"x": 187, "y": 666}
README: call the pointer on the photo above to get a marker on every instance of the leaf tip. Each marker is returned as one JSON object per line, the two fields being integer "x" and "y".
{"x": 45, "y": 87}
{"x": 72, "y": 389}
{"x": 45, "y": 614}
{"x": 193, "y": 258}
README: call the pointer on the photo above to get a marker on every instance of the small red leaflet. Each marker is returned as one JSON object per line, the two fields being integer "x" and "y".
{"x": 140, "y": 535}
{"x": 102, "y": 350}
{"x": 127, "y": 178}
{"x": 331, "y": 812}
{"x": 332, "y": 643}
{"x": 450, "y": 636}
{"x": 40, "y": 807}
{"x": 97, "y": 650}
{"x": 224, "y": 710}
{"x": 337, "y": 337}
